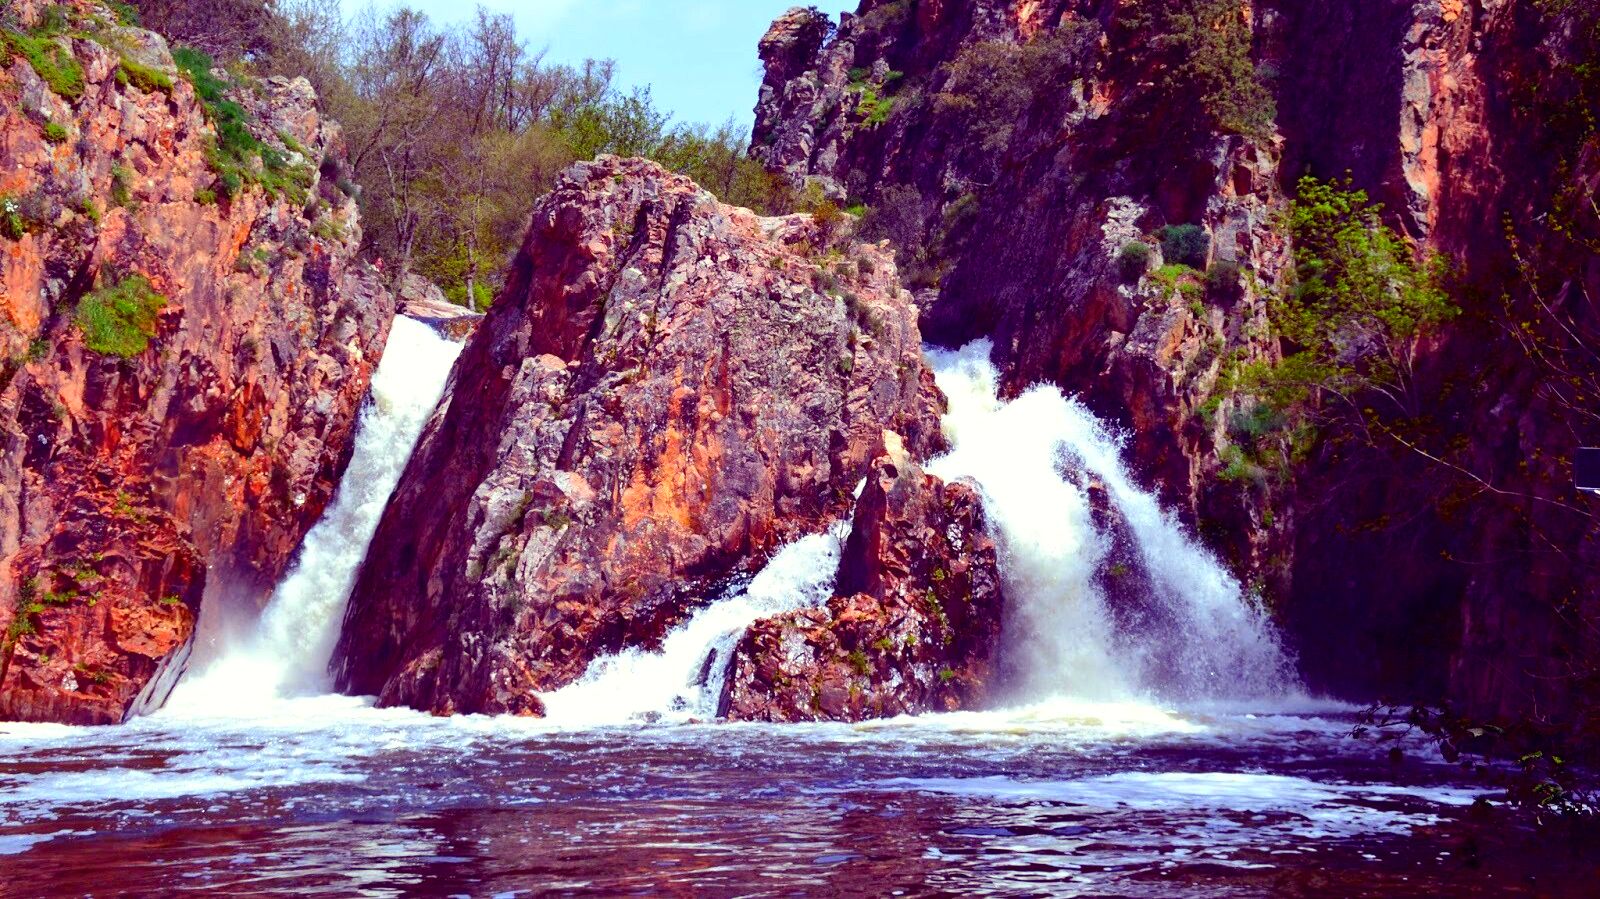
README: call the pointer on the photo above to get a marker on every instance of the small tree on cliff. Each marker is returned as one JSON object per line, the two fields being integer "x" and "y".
{"x": 1351, "y": 323}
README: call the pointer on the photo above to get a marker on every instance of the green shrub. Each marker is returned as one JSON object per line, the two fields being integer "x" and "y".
{"x": 1133, "y": 260}
{"x": 120, "y": 320}
{"x": 205, "y": 196}
{"x": 1185, "y": 245}
{"x": 55, "y": 132}
{"x": 859, "y": 661}
{"x": 13, "y": 223}
{"x": 52, "y": 62}
{"x": 1206, "y": 45}
{"x": 127, "y": 13}
{"x": 1225, "y": 280}
{"x": 122, "y": 186}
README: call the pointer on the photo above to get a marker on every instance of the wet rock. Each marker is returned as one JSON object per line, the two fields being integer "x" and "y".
{"x": 130, "y": 487}
{"x": 667, "y": 390}
{"x": 422, "y": 300}
{"x": 915, "y": 628}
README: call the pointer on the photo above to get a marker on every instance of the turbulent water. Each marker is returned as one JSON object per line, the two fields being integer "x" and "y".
{"x": 287, "y": 654}
{"x": 1158, "y": 750}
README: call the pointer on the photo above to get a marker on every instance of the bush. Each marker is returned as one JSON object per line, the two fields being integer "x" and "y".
{"x": 1225, "y": 281}
{"x": 122, "y": 186}
{"x": 13, "y": 223}
{"x": 120, "y": 320}
{"x": 55, "y": 132}
{"x": 1185, "y": 245}
{"x": 1133, "y": 260}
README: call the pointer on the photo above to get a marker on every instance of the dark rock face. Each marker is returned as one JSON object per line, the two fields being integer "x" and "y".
{"x": 667, "y": 390}
{"x": 915, "y": 626}
{"x": 128, "y": 486}
{"x": 1442, "y": 110}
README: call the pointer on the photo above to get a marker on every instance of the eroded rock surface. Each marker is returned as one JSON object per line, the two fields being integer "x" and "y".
{"x": 128, "y": 486}
{"x": 667, "y": 390}
{"x": 916, "y": 626}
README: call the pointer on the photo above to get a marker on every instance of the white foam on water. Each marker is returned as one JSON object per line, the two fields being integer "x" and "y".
{"x": 288, "y": 654}
{"x": 1032, "y": 458}
{"x": 1320, "y": 809}
{"x": 684, "y": 680}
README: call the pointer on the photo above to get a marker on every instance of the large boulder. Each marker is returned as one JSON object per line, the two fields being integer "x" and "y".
{"x": 916, "y": 624}
{"x": 667, "y": 390}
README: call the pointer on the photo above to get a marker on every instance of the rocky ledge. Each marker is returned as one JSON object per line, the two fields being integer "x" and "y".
{"x": 185, "y": 340}
{"x": 667, "y": 390}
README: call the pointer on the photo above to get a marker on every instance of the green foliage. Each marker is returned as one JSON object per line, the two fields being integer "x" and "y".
{"x": 120, "y": 320}
{"x": 1360, "y": 299}
{"x": 946, "y": 675}
{"x": 1187, "y": 245}
{"x": 122, "y": 186}
{"x": 237, "y": 157}
{"x": 873, "y": 105}
{"x": 13, "y": 223}
{"x": 1207, "y": 45}
{"x": 143, "y": 77}
{"x": 53, "y": 63}
{"x": 859, "y": 661}
{"x": 127, "y": 13}
{"x": 205, "y": 196}
{"x": 1133, "y": 260}
{"x": 55, "y": 132}
{"x": 991, "y": 85}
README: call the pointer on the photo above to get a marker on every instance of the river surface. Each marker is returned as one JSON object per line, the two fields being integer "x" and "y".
{"x": 1146, "y": 743}
{"x": 325, "y": 796}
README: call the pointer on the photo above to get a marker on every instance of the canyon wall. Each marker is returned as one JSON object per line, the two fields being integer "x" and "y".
{"x": 667, "y": 390}
{"x": 1013, "y": 148}
{"x": 184, "y": 346}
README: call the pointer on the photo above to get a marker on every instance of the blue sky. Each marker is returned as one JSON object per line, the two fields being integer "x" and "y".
{"x": 697, "y": 56}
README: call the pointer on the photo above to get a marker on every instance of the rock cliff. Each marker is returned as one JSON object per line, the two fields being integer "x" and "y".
{"x": 667, "y": 390}
{"x": 1019, "y": 151}
{"x": 185, "y": 340}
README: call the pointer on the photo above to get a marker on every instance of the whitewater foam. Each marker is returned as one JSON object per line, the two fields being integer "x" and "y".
{"x": 288, "y": 653}
{"x": 684, "y": 680}
{"x": 1034, "y": 459}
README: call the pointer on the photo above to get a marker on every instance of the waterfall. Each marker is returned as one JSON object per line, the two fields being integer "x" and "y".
{"x": 287, "y": 653}
{"x": 684, "y": 680}
{"x": 1196, "y": 634}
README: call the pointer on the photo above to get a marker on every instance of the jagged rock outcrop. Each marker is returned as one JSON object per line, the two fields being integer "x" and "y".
{"x": 915, "y": 626}
{"x": 667, "y": 390}
{"x": 1468, "y": 574}
{"x": 180, "y": 371}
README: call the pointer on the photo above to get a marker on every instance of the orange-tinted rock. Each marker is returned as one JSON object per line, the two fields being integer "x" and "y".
{"x": 667, "y": 390}
{"x": 915, "y": 629}
{"x": 129, "y": 487}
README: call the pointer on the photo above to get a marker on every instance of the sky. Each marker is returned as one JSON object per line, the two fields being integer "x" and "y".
{"x": 697, "y": 56}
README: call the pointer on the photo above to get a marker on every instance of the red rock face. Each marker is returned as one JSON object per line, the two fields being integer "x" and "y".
{"x": 130, "y": 485}
{"x": 667, "y": 390}
{"x": 1442, "y": 110}
{"x": 916, "y": 626}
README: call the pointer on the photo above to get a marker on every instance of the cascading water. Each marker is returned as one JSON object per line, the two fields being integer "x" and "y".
{"x": 1201, "y": 637}
{"x": 684, "y": 680}
{"x": 287, "y": 655}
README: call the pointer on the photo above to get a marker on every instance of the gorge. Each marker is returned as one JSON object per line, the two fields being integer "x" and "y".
{"x": 1101, "y": 403}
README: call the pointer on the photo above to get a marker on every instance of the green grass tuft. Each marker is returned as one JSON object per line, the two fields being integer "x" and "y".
{"x": 52, "y": 62}
{"x": 120, "y": 320}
